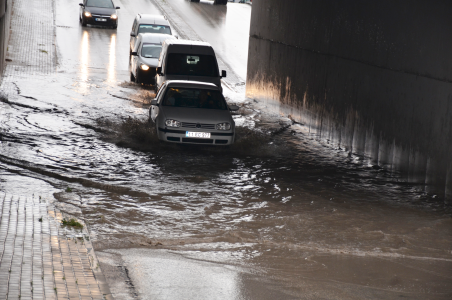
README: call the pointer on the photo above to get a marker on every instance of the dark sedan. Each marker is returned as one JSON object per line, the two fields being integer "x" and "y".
{"x": 99, "y": 12}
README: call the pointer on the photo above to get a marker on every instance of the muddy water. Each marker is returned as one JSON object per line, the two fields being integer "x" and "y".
{"x": 276, "y": 216}
{"x": 276, "y": 203}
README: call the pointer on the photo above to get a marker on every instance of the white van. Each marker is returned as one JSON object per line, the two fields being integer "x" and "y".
{"x": 188, "y": 60}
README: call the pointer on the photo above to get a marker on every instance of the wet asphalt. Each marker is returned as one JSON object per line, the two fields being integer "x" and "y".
{"x": 279, "y": 215}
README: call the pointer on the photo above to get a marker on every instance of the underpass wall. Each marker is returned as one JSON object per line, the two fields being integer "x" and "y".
{"x": 5, "y": 19}
{"x": 371, "y": 77}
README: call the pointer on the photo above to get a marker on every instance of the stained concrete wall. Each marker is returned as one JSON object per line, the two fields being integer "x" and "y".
{"x": 372, "y": 77}
{"x": 5, "y": 17}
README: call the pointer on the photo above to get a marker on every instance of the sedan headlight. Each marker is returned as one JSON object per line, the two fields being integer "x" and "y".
{"x": 223, "y": 126}
{"x": 87, "y": 14}
{"x": 114, "y": 17}
{"x": 172, "y": 123}
{"x": 144, "y": 67}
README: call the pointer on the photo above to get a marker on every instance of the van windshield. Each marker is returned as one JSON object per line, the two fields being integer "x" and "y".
{"x": 148, "y": 28}
{"x": 191, "y": 65}
{"x": 194, "y": 98}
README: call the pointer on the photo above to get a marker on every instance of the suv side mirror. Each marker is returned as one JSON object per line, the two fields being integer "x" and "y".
{"x": 154, "y": 102}
{"x": 117, "y": 7}
{"x": 132, "y": 34}
{"x": 134, "y": 53}
{"x": 81, "y": 4}
{"x": 223, "y": 74}
{"x": 233, "y": 107}
{"x": 159, "y": 71}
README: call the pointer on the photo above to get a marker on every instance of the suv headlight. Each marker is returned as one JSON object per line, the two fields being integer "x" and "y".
{"x": 144, "y": 67}
{"x": 114, "y": 17}
{"x": 223, "y": 126}
{"x": 87, "y": 14}
{"x": 172, "y": 123}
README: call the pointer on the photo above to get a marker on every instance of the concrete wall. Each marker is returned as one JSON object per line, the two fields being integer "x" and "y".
{"x": 5, "y": 17}
{"x": 372, "y": 77}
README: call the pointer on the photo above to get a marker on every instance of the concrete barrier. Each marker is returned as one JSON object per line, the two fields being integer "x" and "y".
{"x": 5, "y": 19}
{"x": 371, "y": 77}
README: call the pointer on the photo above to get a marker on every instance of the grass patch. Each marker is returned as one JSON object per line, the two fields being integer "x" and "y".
{"x": 68, "y": 190}
{"x": 72, "y": 222}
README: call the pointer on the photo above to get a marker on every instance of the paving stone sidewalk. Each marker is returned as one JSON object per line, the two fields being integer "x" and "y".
{"x": 39, "y": 258}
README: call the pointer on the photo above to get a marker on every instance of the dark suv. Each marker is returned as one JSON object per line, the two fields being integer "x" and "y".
{"x": 99, "y": 12}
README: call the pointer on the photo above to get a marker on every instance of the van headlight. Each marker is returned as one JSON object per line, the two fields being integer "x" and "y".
{"x": 87, "y": 14}
{"x": 172, "y": 123}
{"x": 223, "y": 126}
{"x": 113, "y": 16}
{"x": 144, "y": 67}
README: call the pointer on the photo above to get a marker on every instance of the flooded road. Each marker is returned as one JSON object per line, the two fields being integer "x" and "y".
{"x": 276, "y": 216}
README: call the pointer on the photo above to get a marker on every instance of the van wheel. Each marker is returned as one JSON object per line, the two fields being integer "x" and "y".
{"x": 132, "y": 78}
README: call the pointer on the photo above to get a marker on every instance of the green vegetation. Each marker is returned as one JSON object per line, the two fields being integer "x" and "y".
{"x": 68, "y": 190}
{"x": 72, "y": 222}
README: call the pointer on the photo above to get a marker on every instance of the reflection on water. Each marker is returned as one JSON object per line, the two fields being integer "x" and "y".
{"x": 84, "y": 63}
{"x": 111, "y": 72}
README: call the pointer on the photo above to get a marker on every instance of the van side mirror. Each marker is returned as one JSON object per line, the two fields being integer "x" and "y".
{"x": 233, "y": 107}
{"x": 223, "y": 74}
{"x": 117, "y": 7}
{"x": 134, "y": 54}
{"x": 159, "y": 71}
{"x": 154, "y": 102}
{"x": 81, "y": 4}
{"x": 132, "y": 34}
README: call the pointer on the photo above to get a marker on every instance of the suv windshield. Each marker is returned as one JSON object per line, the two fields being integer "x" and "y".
{"x": 191, "y": 65}
{"x": 151, "y": 50}
{"x": 100, "y": 3}
{"x": 147, "y": 28}
{"x": 194, "y": 98}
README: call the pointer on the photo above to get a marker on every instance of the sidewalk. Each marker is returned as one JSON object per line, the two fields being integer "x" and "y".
{"x": 39, "y": 258}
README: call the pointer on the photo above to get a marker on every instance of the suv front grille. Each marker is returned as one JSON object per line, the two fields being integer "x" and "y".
{"x": 202, "y": 126}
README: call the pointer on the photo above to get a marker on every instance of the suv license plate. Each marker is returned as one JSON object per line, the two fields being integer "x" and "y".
{"x": 101, "y": 20}
{"x": 203, "y": 135}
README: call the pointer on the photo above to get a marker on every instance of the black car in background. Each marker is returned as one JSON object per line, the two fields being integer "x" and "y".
{"x": 99, "y": 12}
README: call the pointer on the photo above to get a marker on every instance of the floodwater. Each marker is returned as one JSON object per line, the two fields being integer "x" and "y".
{"x": 278, "y": 215}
